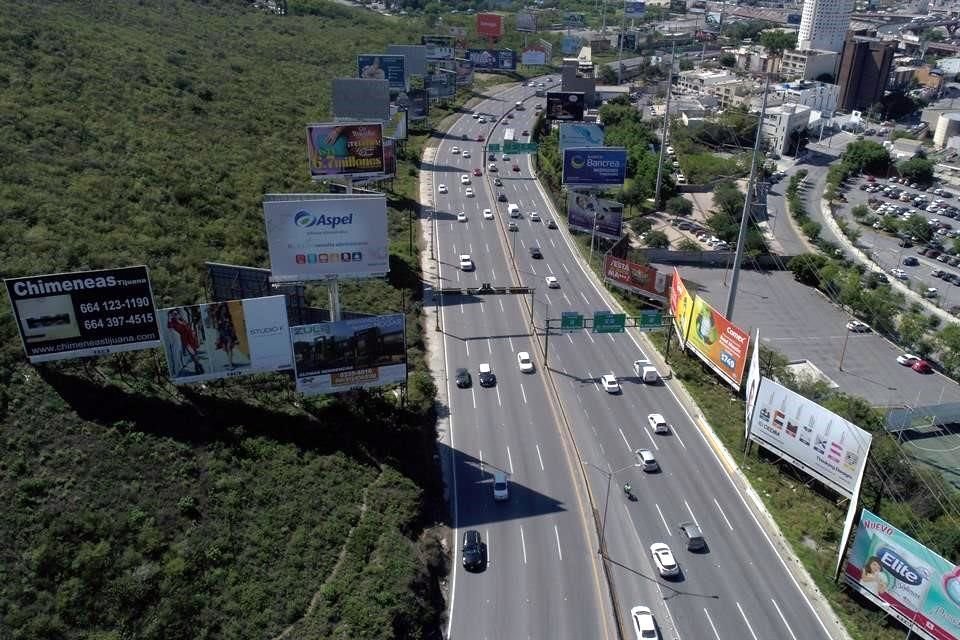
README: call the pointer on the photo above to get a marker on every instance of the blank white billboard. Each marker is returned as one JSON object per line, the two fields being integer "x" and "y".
{"x": 361, "y": 99}
{"x": 812, "y": 438}
{"x": 312, "y": 237}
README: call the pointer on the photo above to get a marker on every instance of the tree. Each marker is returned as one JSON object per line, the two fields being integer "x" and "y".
{"x": 868, "y": 156}
{"x": 917, "y": 226}
{"x": 679, "y": 206}
{"x": 776, "y": 42}
{"x": 728, "y": 60}
{"x": 948, "y": 340}
{"x": 685, "y": 64}
{"x": 686, "y": 244}
{"x": 919, "y": 170}
{"x": 607, "y": 74}
{"x": 657, "y": 240}
{"x": 641, "y": 225}
{"x": 912, "y": 328}
{"x": 728, "y": 200}
{"x": 806, "y": 268}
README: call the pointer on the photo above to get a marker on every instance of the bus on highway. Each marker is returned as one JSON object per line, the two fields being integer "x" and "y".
{"x": 509, "y": 136}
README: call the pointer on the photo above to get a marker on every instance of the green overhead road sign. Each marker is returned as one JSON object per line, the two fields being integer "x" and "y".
{"x": 571, "y": 321}
{"x": 519, "y": 147}
{"x": 650, "y": 320}
{"x": 493, "y": 146}
{"x": 606, "y": 322}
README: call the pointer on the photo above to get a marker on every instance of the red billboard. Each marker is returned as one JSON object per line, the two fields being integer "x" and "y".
{"x": 489, "y": 25}
{"x": 641, "y": 279}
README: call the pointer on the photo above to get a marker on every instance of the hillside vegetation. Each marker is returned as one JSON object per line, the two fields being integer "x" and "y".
{"x": 146, "y": 133}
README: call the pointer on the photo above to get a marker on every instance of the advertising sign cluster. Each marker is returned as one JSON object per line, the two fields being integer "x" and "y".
{"x": 415, "y": 55}
{"x": 372, "y": 66}
{"x": 565, "y": 105}
{"x": 83, "y": 314}
{"x": 641, "y": 279}
{"x": 533, "y": 56}
{"x": 580, "y": 134}
{"x": 917, "y": 586}
{"x": 720, "y": 343}
{"x": 489, "y": 25}
{"x": 226, "y": 339}
{"x": 808, "y": 436}
{"x": 585, "y": 210}
{"x": 526, "y": 22}
{"x": 594, "y": 166}
{"x": 345, "y": 149}
{"x": 438, "y": 47}
{"x": 318, "y": 236}
{"x": 337, "y": 356}
{"x": 360, "y": 99}
{"x": 492, "y": 58}
{"x": 681, "y": 306}
{"x": 634, "y": 9}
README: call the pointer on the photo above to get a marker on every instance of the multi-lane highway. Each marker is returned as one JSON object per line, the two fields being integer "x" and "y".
{"x": 544, "y": 577}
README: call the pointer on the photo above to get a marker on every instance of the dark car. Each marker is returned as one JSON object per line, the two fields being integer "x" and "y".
{"x": 516, "y": 167}
{"x": 472, "y": 550}
{"x": 497, "y": 182}
{"x": 910, "y": 261}
{"x": 487, "y": 377}
{"x": 492, "y": 157}
{"x": 463, "y": 379}
{"x": 922, "y": 366}
{"x": 551, "y": 224}
{"x": 691, "y": 533}
{"x": 501, "y": 197}
{"x": 535, "y": 252}
{"x": 905, "y": 243}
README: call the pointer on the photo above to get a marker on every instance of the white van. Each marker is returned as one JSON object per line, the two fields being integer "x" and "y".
{"x": 501, "y": 489}
{"x": 513, "y": 210}
{"x": 646, "y": 372}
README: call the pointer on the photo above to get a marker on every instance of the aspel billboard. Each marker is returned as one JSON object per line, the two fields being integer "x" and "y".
{"x": 565, "y": 105}
{"x": 345, "y": 149}
{"x": 597, "y": 166}
{"x": 636, "y": 278}
{"x": 681, "y": 307}
{"x": 374, "y": 66}
{"x": 492, "y": 58}
{"x": 904, "y": 578}
{"x": 720, "y": 343}
{"x": 489, "y": 25}
{"x": 586, "y": 211}
{"x": 319, "y": 236}
{"x": 580, "y": 134}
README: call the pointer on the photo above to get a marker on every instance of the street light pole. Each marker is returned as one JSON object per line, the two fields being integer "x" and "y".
{"x": 606, "y": 501}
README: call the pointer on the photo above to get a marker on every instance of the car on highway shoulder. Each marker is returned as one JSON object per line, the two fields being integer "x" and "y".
{"x": 442, "y": 188}
{"x": 858, "y": 327}
{"x": 663, "y": 558}
{"x": 461, "y": 217}
{"x": 658, "y": 423}
{"x": 647, "y": 461}
{"x": 907, "y": 359}
{"x": 552, "y": 282}
{"x": 525, "y": 362}
{"x": 487, "y": 377}
{"x": 468, "y": 192}
{"x": 690, "y": 532}
{"x": 488, "y": 214}
{"x": 644, "y": 628}
{"x": 472, "y": 550}
{"x": 463, "y": 378}
{"x": 610, "y": 383}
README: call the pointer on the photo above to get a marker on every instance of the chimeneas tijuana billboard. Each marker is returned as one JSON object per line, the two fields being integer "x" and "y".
{"x": 641, "y": 279}
{"x": 85, "y": 313}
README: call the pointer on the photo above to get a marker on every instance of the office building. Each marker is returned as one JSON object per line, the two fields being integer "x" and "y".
{"x": 781, "y": 123}
{"x": 819, "y": 96}
{"x": 823, "y": 24}
{"x": 809, "y": 64}
{"x": 864, "y": 69}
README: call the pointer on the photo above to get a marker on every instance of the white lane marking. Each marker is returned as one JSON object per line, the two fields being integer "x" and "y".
{"x": 677, "y": 436}
{"x": 510, "y": 340}
{"x": 565, "y": 267}
{"x": 792, "y": 635}
{"x": 590, "y": 336}
{"x": 556, "y": 534}
{"x": 510, "y": 460}
{"x": 710, "y": 620}
{"x": 595, "y": 383}
{"x": 570, "y": 338}
{"x": 523, "y": 543}
{"x": 584, "y": 297}
{"x": 552, "y": 243}
{"x": 486, "y": 534}
{"x": 610, "y": 335}
{"x": 547, "y": 296}
{"x": 501, "y": 310}
{"x": 566, "y": 298}
{"x": 458, "y": 275}
{"x": 474, "y": 397}
{"x": 549, "y": 268}
{"x": 533, "y": 270}
{"x": 493, "y": 276}
{"x": 522, "y": 243}
{"x": 653, "y": 440}
{"x": 690, "y": 511}
{"x": 539, "y": 457}
{"x": 723, "y": 514}
{"x": 466, "y": 344}
{"x": 624, "y": 439}
{"x": 489, "y": 345}
{"x": 749, "y": 628}
{"x": 461, "y": 306}
{"x": 480, "y": 456}
{"x": 498, "y": 397}
{"x": 663, "y": 520}
{"x": 524, "y": 393}
{"x": 487, "y": 247}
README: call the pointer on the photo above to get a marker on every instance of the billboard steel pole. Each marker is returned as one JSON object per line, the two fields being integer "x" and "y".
{"x": 663, "y": 138}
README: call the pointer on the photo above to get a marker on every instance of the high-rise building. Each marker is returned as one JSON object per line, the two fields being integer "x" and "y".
{"x": 823, "y": 24}
{"x": 864, "y": 69}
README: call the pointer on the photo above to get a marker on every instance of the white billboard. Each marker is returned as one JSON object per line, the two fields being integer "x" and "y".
{"x": 813, "y": 439}
{"x": 753, "y": 379}
{"x": 320, "y": 236}
{"x": 580, "y": 134}
{"x": 226, "y": 339}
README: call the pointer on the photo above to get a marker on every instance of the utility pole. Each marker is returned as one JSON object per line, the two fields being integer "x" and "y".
{"x": 747, "y": 207}
{"x": 663, "y": 139}
{"x": 623, "y": 23}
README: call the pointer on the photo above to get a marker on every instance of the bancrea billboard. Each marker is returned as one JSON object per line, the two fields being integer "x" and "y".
{"x": 392, "y": 68}
{"x": 810, "y": 437}
{"x": 641, "y": 279}
{"x": 587, "y": 212}
{"x": 489, "y": 25}
{"x": 905, "y": 579}
{"x": 416, "y": 57}
{"x": 634, "y": 9}
{"x": 565, "y": 105}
{"x": 331, "y": 357}
{"x": 681, "y": 307}
{"x": 533, "y": 56}
{"x": 580, "y": 134}
{"x": 438, "y": 47}
{"x": 361, "y": 99}
{"x": 226, "y": 339}
{"x": 722, "y": 345}
{"x": 526, "y": 22}
{"x": 596, "y": 166}
{"x": 487, "y": 59}
{"x": 344, "y": 149}
{"x": 321, "y": 236}
{"x": 85, "y": 313}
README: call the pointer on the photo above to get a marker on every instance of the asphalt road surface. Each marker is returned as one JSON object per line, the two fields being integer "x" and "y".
{"x": 543, "y": 578}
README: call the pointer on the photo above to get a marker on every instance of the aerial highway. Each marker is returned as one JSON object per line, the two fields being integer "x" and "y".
{"x": 544, "y": 575}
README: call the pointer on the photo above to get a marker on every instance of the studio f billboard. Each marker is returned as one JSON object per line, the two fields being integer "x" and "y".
{"x": 316, "y": 238}
{"x": 565, "y": 105}
{"x": 83, "y": 314}
{"x": 641, "y": 279}
{"x": 489, "y": 25}
{"x": 492, "y": 59}
{"x": 226, "y": 339}
{"x": 586, "y": 212}
{"x": 331, "y": 357}
{"x": 373, "y": 66}
{"x": 337, "y": 149}
{"x": 597, "y": 166}
{"x": 720, "y": 343}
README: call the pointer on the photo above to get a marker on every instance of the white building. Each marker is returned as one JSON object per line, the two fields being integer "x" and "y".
{"x": 725, "y": 86}
{"x": 824, "y": 24}
{"x": 809, "y": 64}
{"x": 780, "y": 122}
{"x": 819, "y": 96}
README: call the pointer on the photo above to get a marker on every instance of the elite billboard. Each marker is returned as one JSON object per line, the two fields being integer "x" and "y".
{"x": 337, "y": 356}
{"x": 489, "y": 25}
{"x": 641, "y": 279}
{"x": 226, "y": 339}
{"x": 345, "y": 149}
{"x": 585, "y": 212}
{"x": 320, "y": 236}
{"x": 565, "y": 105}
{"x": 906, "y": 579}
{"x": 595, "y": 166}
{"x": 810, "y": 437}
{"x": 722, "y": 345}
{"x": 85, "y": 313}
{"x": 492, "y": 58}
{"x": 438, "y": 47}
{"x": 681, "y": 305}
{"x": 392, "y": 68}
{"x": 580, "y": 134}
{"x": 634, "y": 9}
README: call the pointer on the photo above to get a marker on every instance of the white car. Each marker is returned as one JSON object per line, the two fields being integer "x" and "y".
{"x": 482, "y": 120}
{"x": 610, "y": 384}
{"x": 464, "y": 179}
{"x": 534, "y": 216}
{"x": 461, "y": 217}
{"x": 647, "y": 461}
{"x": 468, "y": 193}
{"x": 505, "y": 157}
{"x": 475, "y": 116}
{"x": 931, "y": 292}
{"x": 552, "y": 282}
{"x": 663, "y": 558}
{"x": 657, "y": 423}
{"x": 858, "y": 327}
{"x": 899, "y": 274}
{"x": 908, "y": 359}
{"x": 643, "y": 625}
{"x": 524, "y": 362}
{"x": 455, "y": 151}
{"x": 465, "y": 154}
{"x": 442, "y": 188}
{"x": 466, "y": 262}
{"x": 488, "y": 214}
